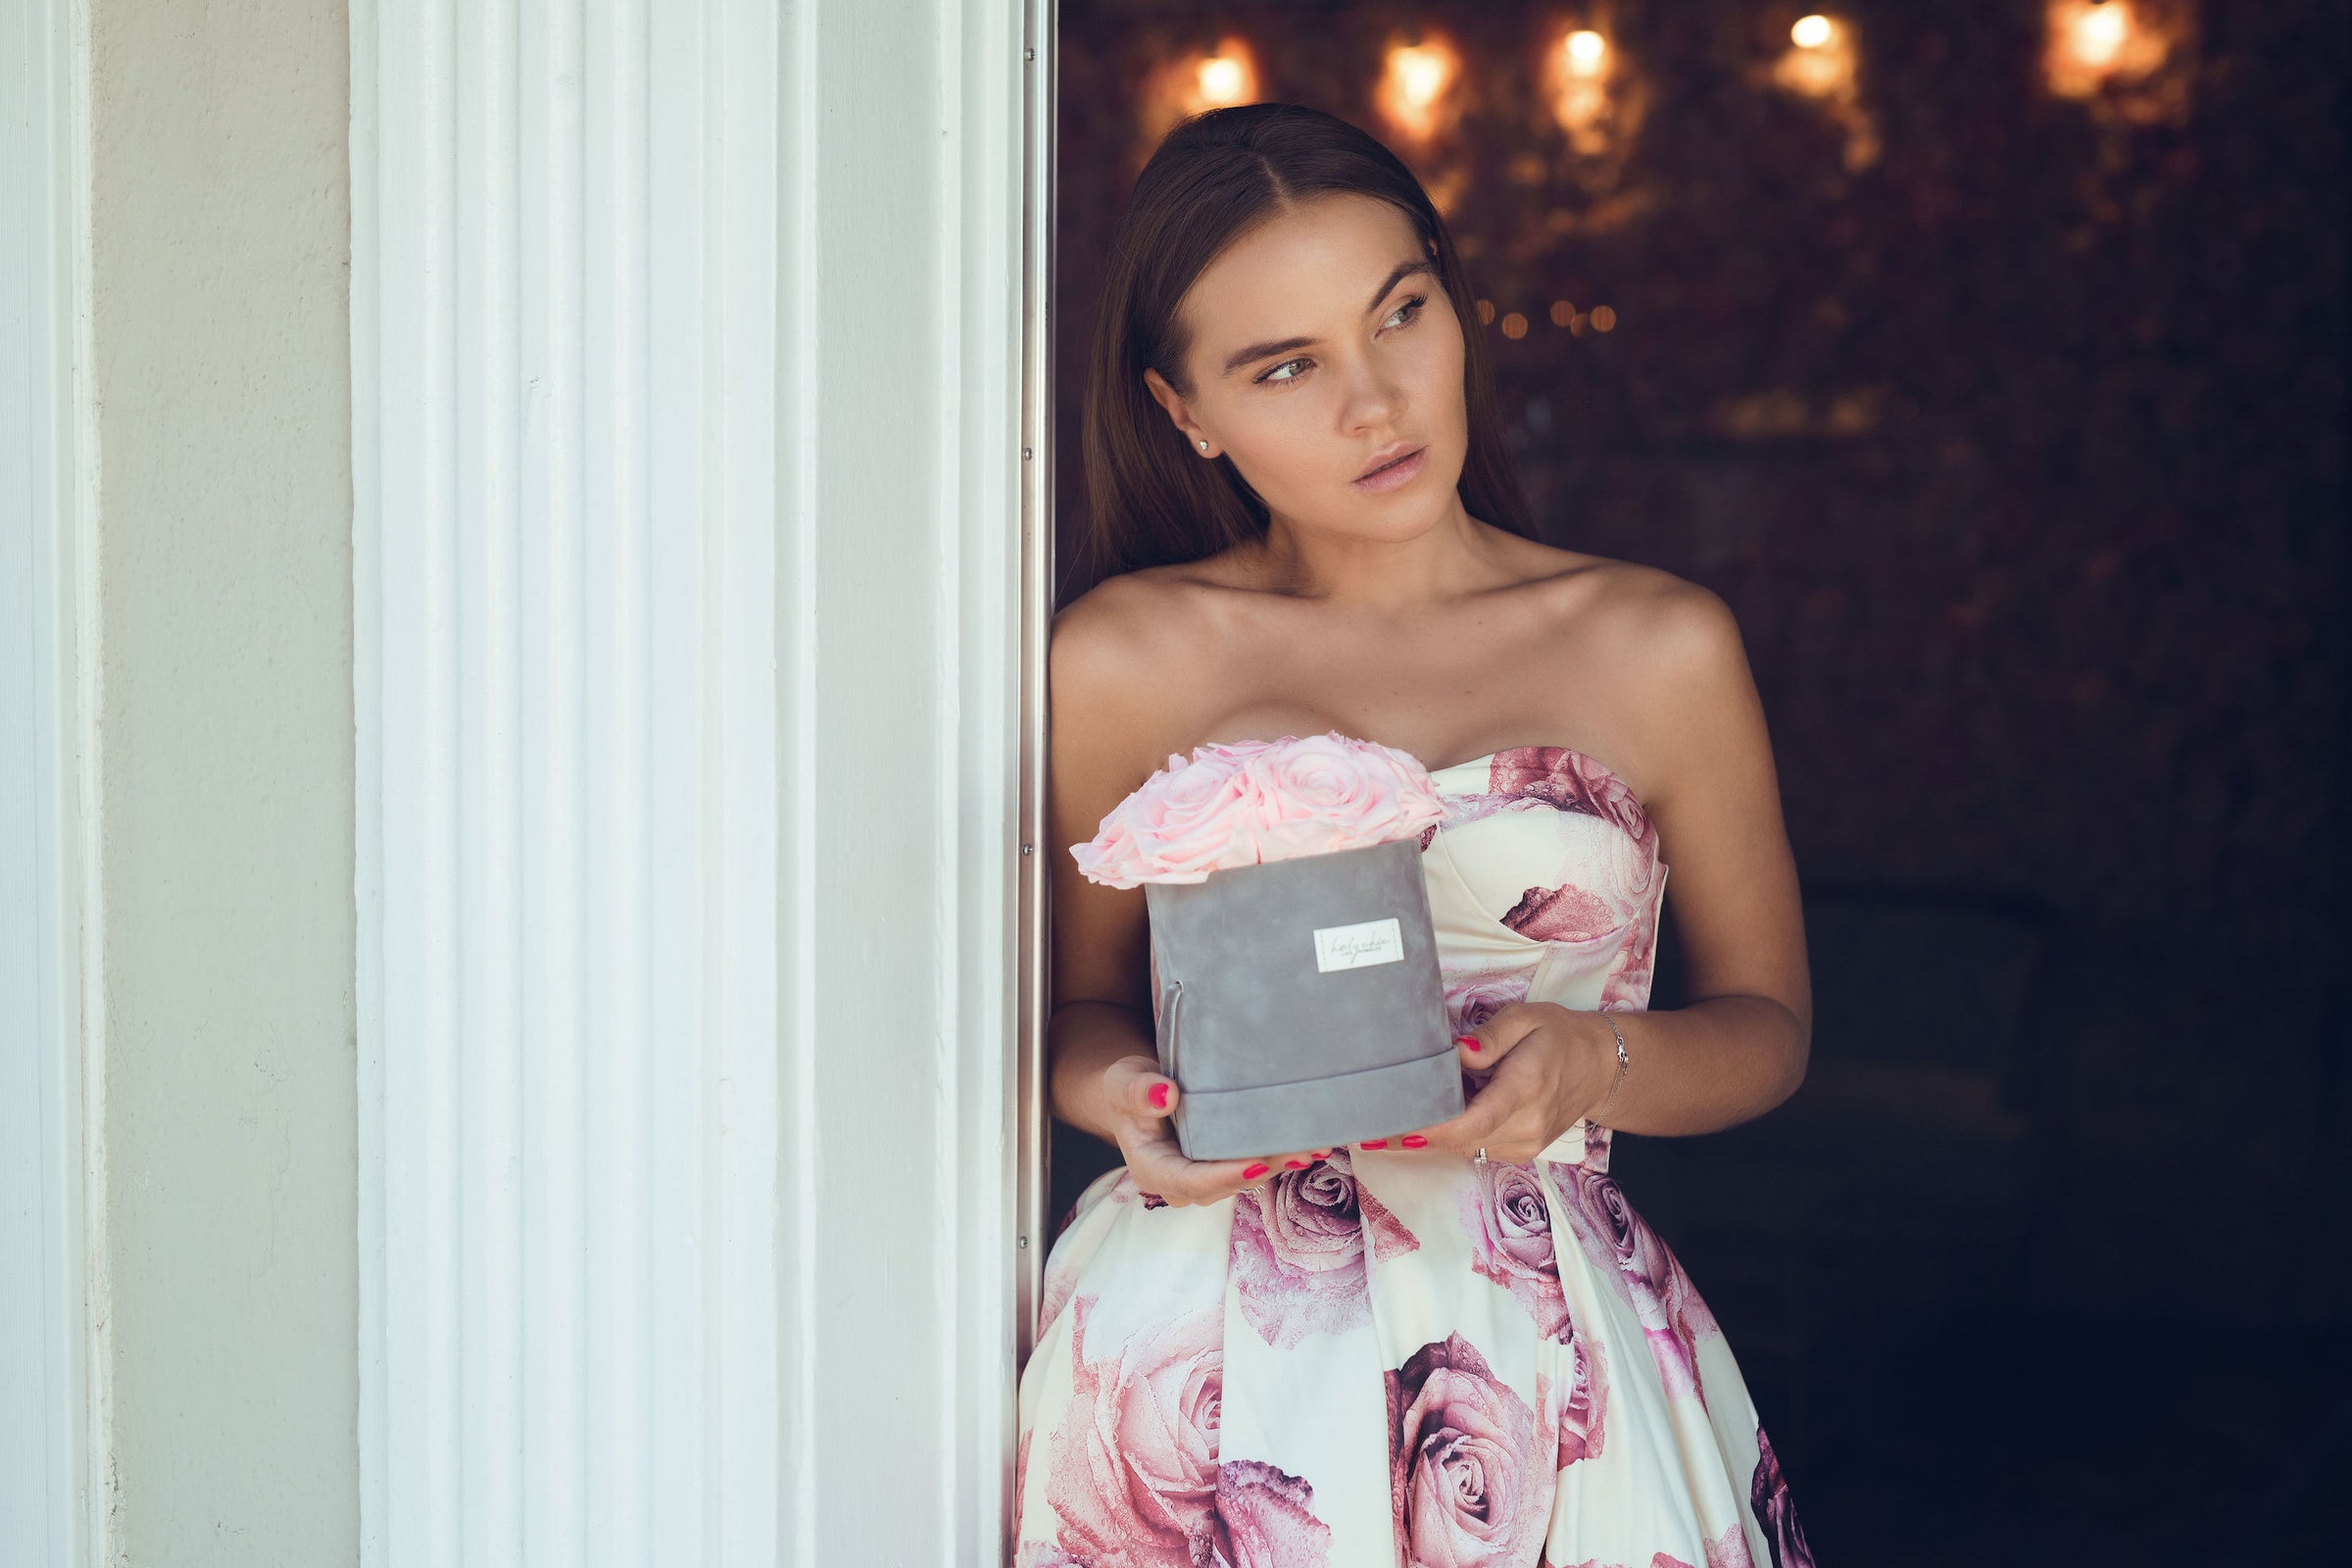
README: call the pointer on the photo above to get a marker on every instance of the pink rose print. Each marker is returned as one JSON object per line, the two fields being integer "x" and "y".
{"x": 1587, "y": 1406}
{"x": 1768, "y": 1495}
{"x": 1135, "y": 1457}
{"x": 1297, "y": 1257}
{"x": 1573, "y": 782}
{"x": 1037, "y": 1554}
{"x": 1663, "y": 1559}
{"x": 1562, "y": 914}
{"x": 1626, "y": 987}
{"x": 1263, "y": 1519}
{"x": 1730, "y": 1550}
{"x": 1596, "y": 1146}
{"x": 1646, "y": 1272}
{"x": 1509, "y": 1225}
{"x": 1466, "y": 1487}
{"x": 1474, "y": 997}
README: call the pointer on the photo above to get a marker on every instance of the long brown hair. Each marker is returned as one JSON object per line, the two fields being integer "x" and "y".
{"x": 1152, "y": 501}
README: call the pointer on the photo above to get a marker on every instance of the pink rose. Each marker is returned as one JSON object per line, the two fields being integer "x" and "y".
{"x": 1135, "y": 1457}
{"x": 1263, "y": 1519}
{"x": 1573, "y": 782}
{"x": 1648, "y": 1276}
{"x": 1467, "y": 1486}
{"x": 1728, "y": 1549}
{"x": 1587, "y": 1407}
{"x": 1562, "y": 914}
{"x": 1328, "y": 793}
{"x": 1768, "y": 1494}
{"x": 1258, "y": 801}
{"x": 1472, "y": 998}
{"x": 1184, "y": 821}
{"x": 1509, "y": 1225}
{"x": 1298, "y": 1255}
{"x": 1625, "y": 986}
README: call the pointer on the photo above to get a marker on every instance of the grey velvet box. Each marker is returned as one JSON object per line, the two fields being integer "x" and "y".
{"x": 1300, "y": 1004}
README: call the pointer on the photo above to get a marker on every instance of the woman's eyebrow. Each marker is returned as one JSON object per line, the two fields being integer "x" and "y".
{"x": 1262, "y": 351}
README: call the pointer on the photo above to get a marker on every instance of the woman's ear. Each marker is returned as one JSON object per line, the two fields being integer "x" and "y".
{"x": 1180, "y": 414}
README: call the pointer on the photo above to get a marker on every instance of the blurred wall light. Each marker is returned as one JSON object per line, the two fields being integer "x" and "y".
{"x": 1417, "y": 89}
{"x": 1190, "y": 83}
{"x": 1581, "y": 67}
{"x": 2092, "y": 44}
{"x": 1821, "y": 63}
{"x": 1820, "y": 60}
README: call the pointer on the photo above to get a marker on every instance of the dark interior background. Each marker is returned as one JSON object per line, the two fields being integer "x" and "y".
{"x": 2010, "y": 422}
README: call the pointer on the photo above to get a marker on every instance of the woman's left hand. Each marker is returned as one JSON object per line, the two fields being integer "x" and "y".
{"x": 1544, "y": 1068}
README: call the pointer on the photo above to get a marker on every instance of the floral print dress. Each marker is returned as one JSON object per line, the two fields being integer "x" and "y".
{"x": 1399, "y": 1358}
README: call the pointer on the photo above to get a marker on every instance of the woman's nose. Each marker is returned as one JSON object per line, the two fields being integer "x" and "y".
{"x": 1374, "y": 398}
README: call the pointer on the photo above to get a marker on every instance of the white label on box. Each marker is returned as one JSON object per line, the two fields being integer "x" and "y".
{"x": 1360, "y": 946}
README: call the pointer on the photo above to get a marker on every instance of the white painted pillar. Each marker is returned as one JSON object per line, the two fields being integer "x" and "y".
{"x": 686, "y": 358}
{"x": 46, "y": 509}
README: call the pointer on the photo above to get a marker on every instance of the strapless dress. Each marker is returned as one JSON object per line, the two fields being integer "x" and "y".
{"x": 1393, "y": 1358}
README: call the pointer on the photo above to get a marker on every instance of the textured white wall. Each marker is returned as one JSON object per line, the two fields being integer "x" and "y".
{"x": 687, "y": 456}
{"x": 218, "y": 237}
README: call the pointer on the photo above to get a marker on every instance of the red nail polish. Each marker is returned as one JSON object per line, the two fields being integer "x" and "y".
{"x": 1374, "y": 1142}
{"x": 1159, "y": 1096}
{"x": 1415, "y": 1141}
{"x": 1470, "y": 1040}
{"x": 1255, "y": 1171}
{"x": 1295, "y": 1165}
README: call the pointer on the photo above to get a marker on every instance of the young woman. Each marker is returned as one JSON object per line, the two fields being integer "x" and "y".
{"x": 1463, "y": 1347}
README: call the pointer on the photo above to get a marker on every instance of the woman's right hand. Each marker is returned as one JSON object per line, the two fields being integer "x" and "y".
{"x": 1140, "y": 1099}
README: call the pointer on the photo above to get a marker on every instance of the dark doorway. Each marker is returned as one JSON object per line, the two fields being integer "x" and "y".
{"x": 1989, "y": 362}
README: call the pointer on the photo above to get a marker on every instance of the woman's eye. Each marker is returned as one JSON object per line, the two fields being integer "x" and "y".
{"x": 1287, "y": 371}
{"x": 1404, "y": 314}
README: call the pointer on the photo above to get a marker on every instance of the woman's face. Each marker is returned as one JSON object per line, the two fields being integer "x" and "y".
{"x": 1326, "y": 361}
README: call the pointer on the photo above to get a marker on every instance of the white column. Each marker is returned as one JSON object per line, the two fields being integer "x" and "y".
{"x": 686, "y": 459}
{"x": 46, "y": 458}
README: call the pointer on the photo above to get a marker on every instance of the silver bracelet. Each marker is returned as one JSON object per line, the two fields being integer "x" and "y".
{"x": 1624, "y": 1062}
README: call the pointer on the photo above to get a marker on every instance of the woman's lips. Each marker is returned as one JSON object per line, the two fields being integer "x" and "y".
{"x": 1401, "y": 472}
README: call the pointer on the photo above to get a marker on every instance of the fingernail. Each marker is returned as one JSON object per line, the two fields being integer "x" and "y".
{"x": 1159, "y": 1096}
{"x": 1375, "y": 1143}
{"x": 1295, "y": 1165}
{"x": 1415, "y": 1141}
{"x": 1469, "y": 1040}
{"x": 1255, "y": 1171}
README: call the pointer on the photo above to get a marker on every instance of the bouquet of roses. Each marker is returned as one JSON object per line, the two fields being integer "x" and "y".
{"x": 1296, "y": 997}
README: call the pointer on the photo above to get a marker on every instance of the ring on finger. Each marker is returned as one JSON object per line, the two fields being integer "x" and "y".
{"x": 1481, "y": 1155}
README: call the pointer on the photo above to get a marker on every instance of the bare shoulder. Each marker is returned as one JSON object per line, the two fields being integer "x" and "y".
{"x": 1647, "y": 628}
{"x": 1112, "y": 650}
{"x": 1673, "y": 631}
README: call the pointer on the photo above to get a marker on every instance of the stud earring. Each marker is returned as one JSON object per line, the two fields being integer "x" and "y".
{"x": 1203, "y": 445}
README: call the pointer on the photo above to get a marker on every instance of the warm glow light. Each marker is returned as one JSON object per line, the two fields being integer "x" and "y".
{"x": 1186, "y": 85}
{"x": 1514, "y": 327}
{"x": 1603, "y": 318}
{"x": 1562, "y": 313}
{"x": 1417, "y": 81}
{"x": 2100, "y": 33}
{"x": 1486, "y": 312}
{"x": 1822, "y": 63}
{"x": 1588, "y": 52}
{"x": 2097, "y": 44}
{"x": 1420, "y": 76}
{"x": 1223, "y": 81}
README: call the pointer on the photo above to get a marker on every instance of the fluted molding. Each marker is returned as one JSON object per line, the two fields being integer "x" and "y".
{"x": 686, "y": 448}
